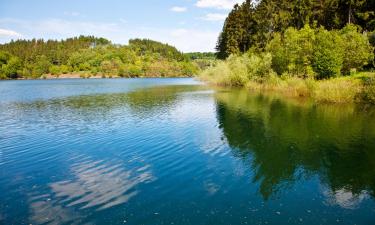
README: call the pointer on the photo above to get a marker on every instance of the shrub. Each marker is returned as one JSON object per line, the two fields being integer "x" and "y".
{"x": 55, "y": 70}
{"x": 328, "y": 54}
{"x": 368, "y": 93}
{"x": 41, "y": 66}
{"x": 293, "y": 51}
{"x": 64, "y": 69}
{"x": 84, "y": 66}
{"x": 259, "y": 65}
{"x": 10, "y": 66}
{"x": 218, "y": 74}
{"x": 357, "y": 48}
{"x": 238, "y": 70}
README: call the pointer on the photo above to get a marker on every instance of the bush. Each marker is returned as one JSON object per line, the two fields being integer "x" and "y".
{"x": 259, "y": 66}
{"x": 41, "y": 66}
{"x": 357, "y": 49}
{"x": 10, "y": 66}
{"x": 368, "y": 93}
{"x": 239, "y": 70}
{"x": 292, "y": 52}
{"x": 328, "y": 54}
{"x": 64, "y": 69}
{"x": 280, "y": 59}
{"x": 55, "y": 70}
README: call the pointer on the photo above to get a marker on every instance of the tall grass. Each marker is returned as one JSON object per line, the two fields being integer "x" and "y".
{"x": 253, "y": 71}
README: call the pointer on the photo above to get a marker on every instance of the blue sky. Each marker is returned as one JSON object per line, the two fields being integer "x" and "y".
{"x": 190, "y": 25}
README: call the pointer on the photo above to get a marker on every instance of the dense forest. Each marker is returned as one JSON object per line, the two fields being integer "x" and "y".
{"x": 322, "y": 49}
{"x": 90, "y": 56}
{"x": 254, "y": 23}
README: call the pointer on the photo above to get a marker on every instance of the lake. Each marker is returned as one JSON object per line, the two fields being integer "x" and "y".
{"x": 175, "y": 151}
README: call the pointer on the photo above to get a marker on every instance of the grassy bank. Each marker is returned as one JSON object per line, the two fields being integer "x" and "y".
{"x": 358, "y": 87}
{"x": 310, "y": 62}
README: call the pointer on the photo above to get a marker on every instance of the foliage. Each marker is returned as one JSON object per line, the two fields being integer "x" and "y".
{"x": 41, "y": 66}
{"x": 146, "y": 46}
{"x": 309, "y": 52}
{"x": 328, "y": 54}
{"x": 307, "y": 62}
{"x": 253, "y": 25}
{"x": 239, "y": 70}
{"x": 9, "y": 65}
{"x": 357, "y": 48}
{"x": 200, "y": 55}
{"x": 93, "y": 56}
{"x": 293, "y": 51}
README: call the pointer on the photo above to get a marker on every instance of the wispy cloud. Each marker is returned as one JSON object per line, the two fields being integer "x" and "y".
{"x": 186, "y": 40}
{"x": 60, "y": 27}
{"x": 178, "y": 9}
{"x": 9, "y": 33}
{"x": 214, "y": 17}
{"x": 218, "y": 4}
{"x": 192, "y": 40}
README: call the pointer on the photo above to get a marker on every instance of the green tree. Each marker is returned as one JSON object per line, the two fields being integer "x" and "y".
{"x": 328, "y": 54}
{"x": 293, "y": 51}
{"x": 41, "y": 66}
{"x": 357, "y": 49}
{"x": 9, "y": 66}
{"x": 253, "y": 25}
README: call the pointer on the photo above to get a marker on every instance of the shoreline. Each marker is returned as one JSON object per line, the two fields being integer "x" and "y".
{"x": 339, "y": 90}
{"x": 88, "y": 76}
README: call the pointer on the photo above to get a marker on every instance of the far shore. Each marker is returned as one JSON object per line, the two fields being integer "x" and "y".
{"x": 74, "y": 76}
{"x": 83, "y": 76}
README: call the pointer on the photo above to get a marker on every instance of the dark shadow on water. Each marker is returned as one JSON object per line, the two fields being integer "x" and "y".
{"x": 288, "y": 140}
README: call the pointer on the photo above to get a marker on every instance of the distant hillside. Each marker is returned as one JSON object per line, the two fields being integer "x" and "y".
{"x": 92, "y": 56}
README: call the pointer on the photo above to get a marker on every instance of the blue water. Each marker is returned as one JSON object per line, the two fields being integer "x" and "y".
{"x": 175, "y": 151}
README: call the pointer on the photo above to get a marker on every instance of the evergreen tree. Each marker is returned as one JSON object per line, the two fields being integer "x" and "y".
{"x": 253, "y": 25}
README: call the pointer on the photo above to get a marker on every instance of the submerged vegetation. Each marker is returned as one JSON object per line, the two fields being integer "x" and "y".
{"x": 298, "y": 53}
{"x": 90, "y": 56}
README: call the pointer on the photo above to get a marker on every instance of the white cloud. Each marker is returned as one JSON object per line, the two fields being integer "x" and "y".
{"x": 214, "y": 17}
{"x": 218, "y": 4}
{"x": 344, "y": 198}
{"x": 178, "y": 9}
{"x": 186, "y": 40}
{"x": 192, "y": 40}
{"x": 9, "y": 33}
{"x": 59, "y": 28}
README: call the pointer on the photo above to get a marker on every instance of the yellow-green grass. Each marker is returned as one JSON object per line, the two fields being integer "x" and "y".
{"x": 359, "y": 87}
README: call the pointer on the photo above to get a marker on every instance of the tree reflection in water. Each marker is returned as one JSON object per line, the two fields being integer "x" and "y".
{"x": 289, "y": 140}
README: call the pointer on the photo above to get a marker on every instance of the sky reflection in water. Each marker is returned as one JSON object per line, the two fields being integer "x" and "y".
{"x": 175, "y": 151}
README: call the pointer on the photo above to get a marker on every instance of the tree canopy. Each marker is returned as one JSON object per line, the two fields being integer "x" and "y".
{"x": 253, "y": 23}
{"x": 94, "y": 56}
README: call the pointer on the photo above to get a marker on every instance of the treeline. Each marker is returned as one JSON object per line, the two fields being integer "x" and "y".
{"x": 319, "y": 49}
{"x": 92, "y": 56}
{"x": 203, "y": 60}
{"x": 254, "y": 23}
{"x": 201, "y": 55}
{"x": 306, "y": 62}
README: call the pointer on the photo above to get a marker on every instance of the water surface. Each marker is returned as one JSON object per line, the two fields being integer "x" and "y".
{"x": 173, "y": 151}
